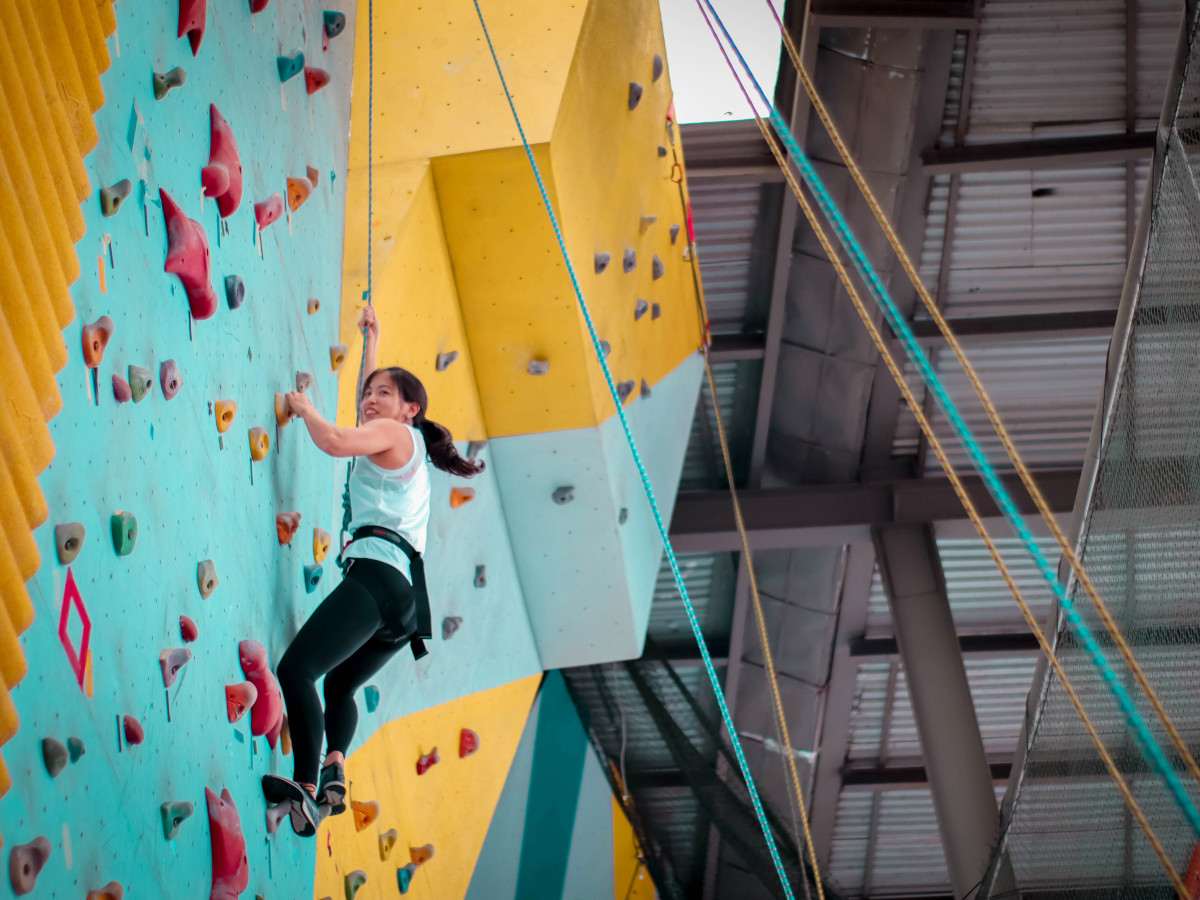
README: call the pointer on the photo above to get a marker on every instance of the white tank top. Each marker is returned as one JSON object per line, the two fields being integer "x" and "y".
{"x": 393, "y": 498}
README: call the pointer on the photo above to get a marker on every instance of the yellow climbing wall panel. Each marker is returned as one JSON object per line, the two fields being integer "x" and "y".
{"x": 52, "y": 53}
{"x": 631, "y": 881}
{"x": 450, "y": 806}
{"x": 415, "y": 296}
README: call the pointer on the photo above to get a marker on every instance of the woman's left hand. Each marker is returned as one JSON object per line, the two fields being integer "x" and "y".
{"x": 301, "y": 405}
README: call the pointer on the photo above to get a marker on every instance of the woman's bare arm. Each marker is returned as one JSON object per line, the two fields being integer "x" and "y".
{"x": 369, "y": 439}
{"x": 369, "y": 325}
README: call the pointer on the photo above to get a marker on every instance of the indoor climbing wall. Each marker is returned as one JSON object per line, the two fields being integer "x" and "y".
{"x": 161, "y": 555}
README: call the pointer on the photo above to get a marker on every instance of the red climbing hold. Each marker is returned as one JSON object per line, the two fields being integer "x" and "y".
{"x": 192, "y": 18}
{"x": 268, "y": 211}
{"x": 239, "y": 698}
{"x": 257, "y": 6}
{"x": 266, "y": 715}
{"x": 222, "y": 177}
{"x": 187, "y": 257}
{"x": 315, "y": 79}
{"x": 95, "y": 338}
{"x": 286, "y": 525}
{"x": 188, "y": 630}
{"x": 468, "y": 743}
{"x": 134, "y": 733}
{"x": 427, "y": 760}
{"x": 230, "y": 867}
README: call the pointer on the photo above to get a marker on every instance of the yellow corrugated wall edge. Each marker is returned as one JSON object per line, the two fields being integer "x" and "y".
{"x": 52, "y": 53}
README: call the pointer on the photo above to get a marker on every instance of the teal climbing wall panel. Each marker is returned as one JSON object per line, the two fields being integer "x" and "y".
{"x": 197, "y": 495}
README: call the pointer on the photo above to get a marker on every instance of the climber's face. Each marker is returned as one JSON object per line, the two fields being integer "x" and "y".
{"x": 382, "y": 400}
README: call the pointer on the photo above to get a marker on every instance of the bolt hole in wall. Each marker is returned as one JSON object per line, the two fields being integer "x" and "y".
{"x": 154, "y": 474}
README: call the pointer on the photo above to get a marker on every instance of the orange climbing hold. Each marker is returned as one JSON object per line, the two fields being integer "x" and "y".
{"x": 321, "y": 541}
{"x": 224, "y": 412}
{"x": 337, "y": 357}
{"x": 286, "y": 524}
{"x": 459, "y": 496}
{"x": 298, "y": 190}
{"x": 420, "y": 855}
{"x": 111, "y": 891}
{"x": 95, "y": 338}
{"x": 260, "y": 443}
{"x": 283, "y": 410}
{"x": 364, "y": 813}
{"x": 285, "y": 737}
{"x": 314, "y": 175}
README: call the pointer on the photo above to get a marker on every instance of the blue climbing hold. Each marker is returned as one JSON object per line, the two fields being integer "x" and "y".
{"x": 312, "y": 577}
{"x": 371, "y": 694}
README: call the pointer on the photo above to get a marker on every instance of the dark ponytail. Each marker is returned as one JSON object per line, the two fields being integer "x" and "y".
{"x": 439, "y": 443}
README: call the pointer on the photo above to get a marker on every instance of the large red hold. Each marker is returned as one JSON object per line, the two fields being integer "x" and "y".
{"x": 222, "y": 177}
{"x": 268, "y": 211}
{"x": 266, "y": 715}
{"x": 187, "y": 257}
{"x": 315, "y": 79}
{"x": 230, "y": 867}
{"x": 257, "y": 6}
{"x": 193, "y": 15}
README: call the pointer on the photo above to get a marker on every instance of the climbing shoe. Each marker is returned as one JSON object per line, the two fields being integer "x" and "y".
{"x": 332, "y": 790}
{"x": 304, "y": 816}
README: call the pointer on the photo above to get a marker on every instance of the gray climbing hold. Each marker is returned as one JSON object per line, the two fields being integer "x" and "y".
{"x": 539, "y": 367}
{"x": 473, "y": 449}
{"x": 312, "y": 577}
{"x": 624, "y": 389}
{"x": 304, "y": 381}
{"x": 450, "y": 625}
{"x": 640, "y": 309}
{"x": 674, "y": 233}
{"x": 171, "y": 661}
{"x": 140, "y": 383}
{"x": 655, "y": 310}
{"x": 635, "y": 95}
{"x": 629, "y": 261}
{"x": 445, "y": 359}
{"x": 235, "y": 291}
{"x": 605, "y": 348}
{"x": 121, "y": 390}
{"x": 111, "y": 198}
{"x": 602, "y": 261}
{"x": 645, "y": 223}
{"x": 169, "y": 378}
{"x": 645, "y": 393}
{"x": 54, "y": 756}
{"x": 662, "y": 151}
{"x": 206, "y": 577}
{"x": 658, "y": 67}
{"x": 276, "y": 815}
{"x": 335, "y": 23}
{"x": 657, "y": 269}
{"x": 623, "y": 516}
{"x": 173, "y": 813}
{"x": 75, "y": 748}
{"x": 564, "y": 495}
{"x": 25, "y": 862}
{"x": 481, "y": 576}
{"x": 164, "y": 81}
{"x": 68, "y": 541}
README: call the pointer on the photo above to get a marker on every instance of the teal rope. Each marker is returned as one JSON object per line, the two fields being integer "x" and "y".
{"x": 662, "y": 530}
{"x": 900, "y": 327}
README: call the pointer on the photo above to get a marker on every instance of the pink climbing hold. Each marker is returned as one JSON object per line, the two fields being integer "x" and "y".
{"x": 193, "y": 15}
{"x": 428, "y": 760}
{"x": 269, "y": 211}
{"x": 171, "y": 661}
{"x": 266, "y": 715}
{"x": 134, "y": 733}
{"x": 239, "y": 698}
{"x": 188, "y": 630}
{"x": 222, "y": 177}
{"x": 25, "y": 863}
{"x": 315, "y": 79}
{"x": 187, "y": 257}
{"x": 468, "y": 743}
{"x": 122, "y": 392}
{"x": 230, "y": 867}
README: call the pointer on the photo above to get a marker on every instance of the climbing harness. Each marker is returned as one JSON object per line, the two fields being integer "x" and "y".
{"x": 968, "y": 504}
{"x": 424, "y": 626}
{"x": 706, "y": 657}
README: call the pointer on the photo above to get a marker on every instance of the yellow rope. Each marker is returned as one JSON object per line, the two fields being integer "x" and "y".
{"x": 972, "y": 513}
{"x": 993, "y": 416}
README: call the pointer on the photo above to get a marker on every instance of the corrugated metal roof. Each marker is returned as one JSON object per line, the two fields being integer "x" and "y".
{"x": 726, "y": 217}
{"x": 703, "y": 464}
{"x": 702, "y": 573}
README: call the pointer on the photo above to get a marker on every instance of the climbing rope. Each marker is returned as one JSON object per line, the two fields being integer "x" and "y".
{"x": 900, "y": 327}
{"x": 968, "y": 505}
{"x": 705, "y": 656}
{"x": 993, "y": 416}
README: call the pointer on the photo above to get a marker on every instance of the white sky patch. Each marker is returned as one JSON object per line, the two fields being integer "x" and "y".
{"x": 705, "y": 90}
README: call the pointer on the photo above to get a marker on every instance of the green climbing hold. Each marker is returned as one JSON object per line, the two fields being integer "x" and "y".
{"x": 371, "y": 694}
{"x": 290, "y": 66}
{"x": 164, "y": 81}
{"x": 112, "y": 197}
{"x": 404, "y": 876}
{"x": 334, "y": 22}
{"x": 140, "y": 382}
{"x": 312, "y": 577}
{"x": 354, "y": 880}
{"x": 54, "y": 755}
{"x": 173, "y": 813}
{"x": 75, "y": 748}
{"x": 124, "y": 532}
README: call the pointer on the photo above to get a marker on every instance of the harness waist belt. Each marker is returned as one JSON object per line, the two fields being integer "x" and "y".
{"x": 420, "y": 590}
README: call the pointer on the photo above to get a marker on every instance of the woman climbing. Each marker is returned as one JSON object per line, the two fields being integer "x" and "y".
{"x": 381, "y": 604}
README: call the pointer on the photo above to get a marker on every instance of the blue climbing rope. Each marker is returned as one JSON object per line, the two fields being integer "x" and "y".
{"x": 649, "y": 490}
{"x": 995, "y": 486}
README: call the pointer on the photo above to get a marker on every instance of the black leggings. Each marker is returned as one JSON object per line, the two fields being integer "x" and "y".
{"x": 347, "y": 640}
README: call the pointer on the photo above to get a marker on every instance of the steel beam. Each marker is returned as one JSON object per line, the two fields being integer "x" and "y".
{"x": 960, "y": 780}
{"x": 826, "y": 515}
{"x": 880, "y": 779}
{"x": 891, "y": 14}
{"x": 975, "y": 644}
{"x": 1049, "y": 153}
{"x": 980, "y": 329}
{"x": 733, "y": 347}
